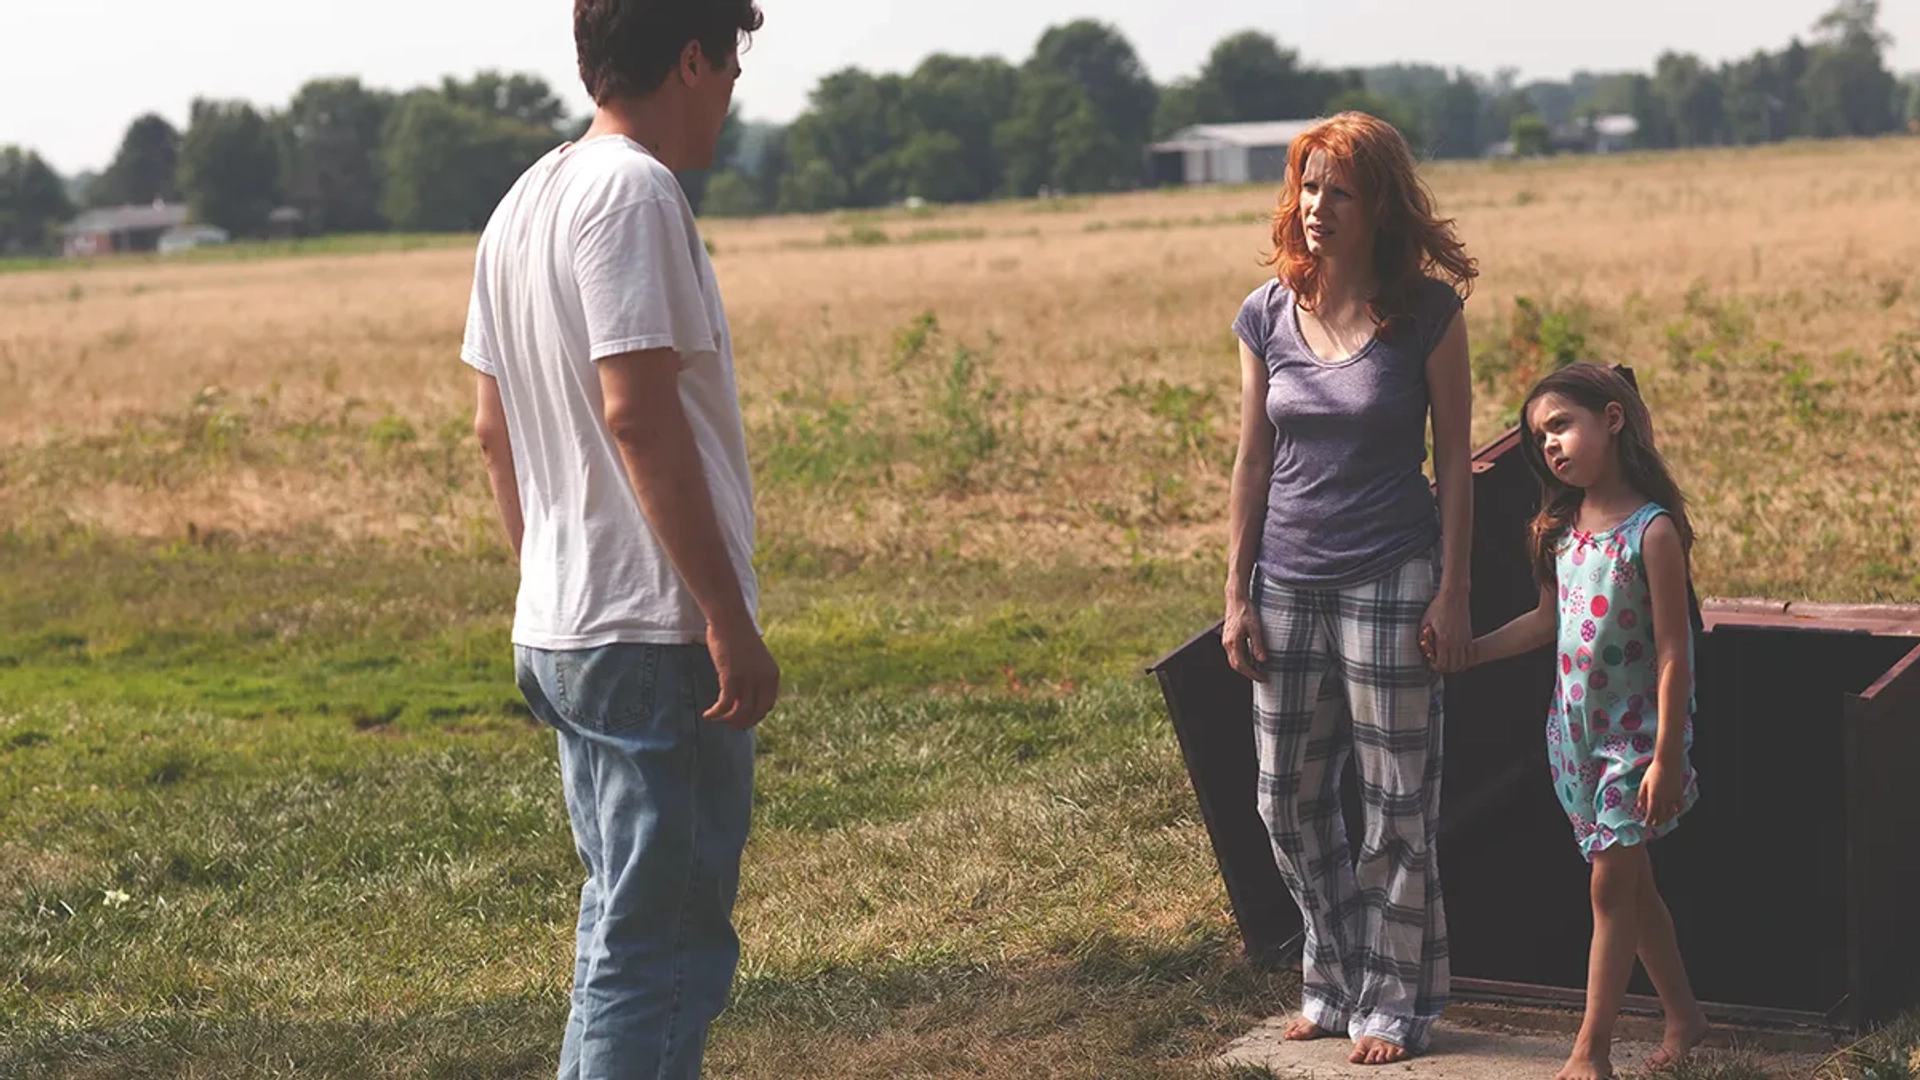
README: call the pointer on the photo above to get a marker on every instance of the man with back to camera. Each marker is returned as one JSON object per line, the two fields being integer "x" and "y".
{"x": 610, "y": 423}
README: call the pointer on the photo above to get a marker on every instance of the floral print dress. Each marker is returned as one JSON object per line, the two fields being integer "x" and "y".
{"x": 1606, "y": 701}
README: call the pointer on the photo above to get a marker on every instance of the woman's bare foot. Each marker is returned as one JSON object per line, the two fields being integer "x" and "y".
{"x": 1584, "y": 1064}
{"x": 1681, "y": 1037}
{"x": 1304, "y": 1030}
{"x": 1376, "y": 1051}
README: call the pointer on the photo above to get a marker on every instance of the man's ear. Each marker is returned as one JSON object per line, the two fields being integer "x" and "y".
{"x": 693, "y": 63}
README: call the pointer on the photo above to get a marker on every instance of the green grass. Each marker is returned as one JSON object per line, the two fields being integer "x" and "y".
{"x": 1163, "y": 224}
{"x": 1715, "y": 1066}
{"x": 278, "y": 811}
{"x": 865, "y": 232}
{"x": 271, "y": 812}
{"x": 1890, "y": 1053}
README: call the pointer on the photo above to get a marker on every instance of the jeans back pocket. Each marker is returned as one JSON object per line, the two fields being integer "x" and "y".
{"x": 608, "y": 689}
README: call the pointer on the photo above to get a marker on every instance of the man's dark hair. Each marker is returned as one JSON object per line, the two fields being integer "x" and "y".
{"x": 628, "y": 48}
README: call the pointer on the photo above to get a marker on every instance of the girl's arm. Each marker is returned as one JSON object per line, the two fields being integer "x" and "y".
{"x": 1523, "y": 635}
{"x": 1450, "y": 389}
{"x": 1252, "y": 473}
{"x": 1666, "y": 561}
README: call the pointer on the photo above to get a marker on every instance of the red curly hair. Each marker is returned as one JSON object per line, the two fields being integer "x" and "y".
{"x": 1411, "y": 242}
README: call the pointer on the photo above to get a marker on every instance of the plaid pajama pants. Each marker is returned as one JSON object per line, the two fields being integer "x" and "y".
{"x": 1344, "y": 674}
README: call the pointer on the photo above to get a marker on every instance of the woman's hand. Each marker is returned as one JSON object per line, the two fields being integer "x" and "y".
{"x": 1447, "y": 633}
{"x": 1241, "y": 636}
{"x": 1660, "y": 795}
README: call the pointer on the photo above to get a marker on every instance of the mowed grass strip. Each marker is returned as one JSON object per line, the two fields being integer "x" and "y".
{"x": 235, "y": 844}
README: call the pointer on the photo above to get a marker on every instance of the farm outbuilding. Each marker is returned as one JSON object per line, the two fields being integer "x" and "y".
{"x": 1615, "y": 133}
{"x": 1612, "y": 134}
{"x": 121, "y": 228}
{"x": 1225, "y": 153}
{"x": 286, "y": 223}
{"x": 187, "y": 237}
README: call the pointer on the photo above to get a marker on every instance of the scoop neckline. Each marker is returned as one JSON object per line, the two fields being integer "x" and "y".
{"x": 1616, "y": 526}
{"x": 1300, "y": 336}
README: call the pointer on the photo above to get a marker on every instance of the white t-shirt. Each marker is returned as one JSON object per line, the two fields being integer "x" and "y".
{"x": 595, "y": 253}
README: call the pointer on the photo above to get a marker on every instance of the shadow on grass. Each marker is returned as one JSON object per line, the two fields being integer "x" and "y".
{"x": 1109, "y": 1008}
{"x": 1105, "y": 1007}
{"x": 508, "y": 1037}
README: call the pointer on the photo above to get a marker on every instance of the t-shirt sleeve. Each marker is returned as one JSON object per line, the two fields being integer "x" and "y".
{"x": 640, "y": 287}
{"x": 1439, "y": 303}
{"x": 1255, "y": 322}
{"x": 478, "y": 348}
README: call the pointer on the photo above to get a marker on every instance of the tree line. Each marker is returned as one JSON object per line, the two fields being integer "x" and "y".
{"x": 351, "y": 158}
{"x": 1075, "y": 116}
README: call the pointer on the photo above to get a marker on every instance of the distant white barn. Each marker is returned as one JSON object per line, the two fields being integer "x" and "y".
{"x": 1225, "y": 153}
{"x": 1614, "y": 133}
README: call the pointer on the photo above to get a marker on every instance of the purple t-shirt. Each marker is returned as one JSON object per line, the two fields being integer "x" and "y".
{"x": 1348, "y": 502}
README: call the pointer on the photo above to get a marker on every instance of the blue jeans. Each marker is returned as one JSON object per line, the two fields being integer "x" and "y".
{"x": 660, "y": 801}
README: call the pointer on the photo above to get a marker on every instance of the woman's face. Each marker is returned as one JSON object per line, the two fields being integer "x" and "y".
{"x": 1338, "y": 224}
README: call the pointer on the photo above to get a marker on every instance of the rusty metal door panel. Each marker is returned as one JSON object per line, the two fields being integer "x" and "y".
{"x": 1504, "y": 843}
{"x": 1756, "y": 874}
{"x": 1883, "y": 843}
{"x": 1212, "y": 710}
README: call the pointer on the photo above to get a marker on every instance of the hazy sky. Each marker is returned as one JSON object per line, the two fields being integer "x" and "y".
{"x": 77, "y": 71}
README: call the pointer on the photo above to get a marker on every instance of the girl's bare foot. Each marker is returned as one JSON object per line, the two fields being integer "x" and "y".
{"x": 1587, "y": 1065}
{"x": 1377, "y": 1051}
{"x": 1302, "y": 1029}
{"x": 1681, "y": 1037}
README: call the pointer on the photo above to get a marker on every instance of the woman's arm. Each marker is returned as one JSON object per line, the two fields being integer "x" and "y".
{"x": 1450, "y": 391}
{"x": 1666, "y": 562}
{"x": 1247, "y": 513}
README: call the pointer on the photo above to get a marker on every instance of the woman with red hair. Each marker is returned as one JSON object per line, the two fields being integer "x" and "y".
{"x": 1343, "y": 604}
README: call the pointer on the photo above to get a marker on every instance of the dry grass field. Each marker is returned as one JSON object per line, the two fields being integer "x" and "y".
{"x": 268, "y": 805}
{"x": 1770, "y": 300}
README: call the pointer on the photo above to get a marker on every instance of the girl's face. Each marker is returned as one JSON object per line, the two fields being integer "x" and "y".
{"x": 1338, "y": 224}
{"x": 1576, "y": 441}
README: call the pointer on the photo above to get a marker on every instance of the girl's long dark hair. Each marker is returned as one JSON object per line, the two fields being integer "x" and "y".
{"x": 1594, "y": 387}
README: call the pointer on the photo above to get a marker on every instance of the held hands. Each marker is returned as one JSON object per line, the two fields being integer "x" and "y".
{"x": 1661, "y": 793}
{"x": 1446, "y": 634}
{"x": 1428, "y": 650}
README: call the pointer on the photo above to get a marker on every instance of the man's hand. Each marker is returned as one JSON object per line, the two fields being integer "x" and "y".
{"x": 749, "y": 676}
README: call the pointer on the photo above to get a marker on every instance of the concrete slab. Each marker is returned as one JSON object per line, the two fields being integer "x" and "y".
{"x": 1472, "y": 1052}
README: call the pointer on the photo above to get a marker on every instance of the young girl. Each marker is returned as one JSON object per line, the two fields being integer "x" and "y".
{"x": 1610, "y": 550}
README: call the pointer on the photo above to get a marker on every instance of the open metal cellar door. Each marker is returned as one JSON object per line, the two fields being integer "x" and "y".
{"x": 1795, "y": 882}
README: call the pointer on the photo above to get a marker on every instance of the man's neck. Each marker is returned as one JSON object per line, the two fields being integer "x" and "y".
{"x": 649, "y": 121}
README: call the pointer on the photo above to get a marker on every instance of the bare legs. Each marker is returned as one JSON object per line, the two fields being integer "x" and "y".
{"x": 1628, "y": 918}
